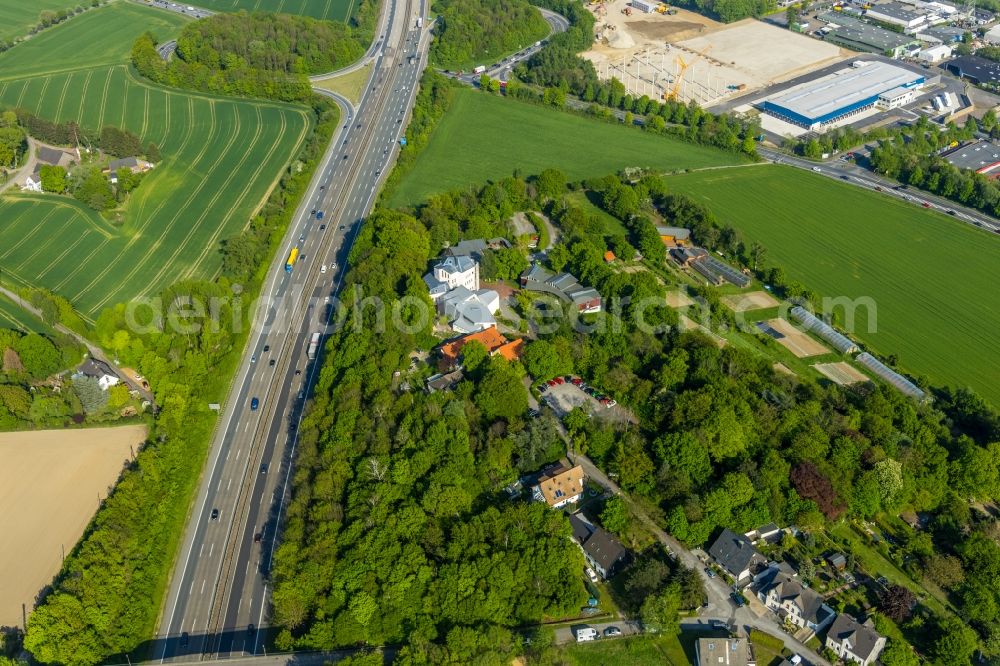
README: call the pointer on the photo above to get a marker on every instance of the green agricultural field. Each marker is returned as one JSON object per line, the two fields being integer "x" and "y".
{"x": 221, "y": 158}
{"x": 334, "y": 10}
{"x": 17, "y": 17}
{"x": 484, "y": 137}
{"x": 72, "y": 45}
{"x": 932, "y": 279}
{"x": 12, "y": 316}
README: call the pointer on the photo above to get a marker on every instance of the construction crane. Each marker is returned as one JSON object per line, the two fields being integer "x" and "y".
{"x": 682, "y": 66}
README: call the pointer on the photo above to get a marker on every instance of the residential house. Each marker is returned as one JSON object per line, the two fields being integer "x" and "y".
{"x": 559, "y": 486}
{"x": 674, "y": 236}
{"x": 491, "y": 338}
{"x": 135, "y": 164}
{"x": 451, "y": 273}
{"x": 454, "y": 285}
{"x": 737, "y": 555}
{"x": 45, "y": 156}
{"x": 99, "y": 370}
{"x": 470, "y": 311}
{"x": 603, "y": 552}
{"x": 853, "y": 641}
{"x": 564, "y": 286}
{"x": 33, "y": 182}
{"x": 443, "y": 381}
{"x": 475, "y": 247}
{"x": 793, "y": 602}
{"x": 723, "y": 652}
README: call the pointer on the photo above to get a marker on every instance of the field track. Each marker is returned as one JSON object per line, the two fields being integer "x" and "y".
{"x": 221, "y": 157}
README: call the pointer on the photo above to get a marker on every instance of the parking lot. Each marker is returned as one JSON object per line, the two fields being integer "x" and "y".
{"x": 562, "y": 395}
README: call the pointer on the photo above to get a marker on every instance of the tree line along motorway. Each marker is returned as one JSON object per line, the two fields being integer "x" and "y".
{"x": 217, "y": 602}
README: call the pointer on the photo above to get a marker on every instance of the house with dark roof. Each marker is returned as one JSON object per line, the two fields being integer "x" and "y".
{"x": 99, "y": 370}
{"x": 135, "y": 164}
{"x": 794, "y": 603}
{"x": 45, "y": 156}
{"x": 853, "y": 641}
{"x": 737, "y": 555}
{"x": 603, "y": 552}
{"x": 564, "y": 286}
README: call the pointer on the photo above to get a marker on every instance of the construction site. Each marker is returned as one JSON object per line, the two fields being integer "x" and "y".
{"x": 667, "y": 52}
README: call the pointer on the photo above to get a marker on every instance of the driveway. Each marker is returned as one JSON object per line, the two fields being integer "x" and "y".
{"x": 565, "y": 634}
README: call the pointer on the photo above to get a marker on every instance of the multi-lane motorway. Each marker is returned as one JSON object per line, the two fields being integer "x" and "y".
{"x": 218, "y": 600}
{"x": 853, "y": 174}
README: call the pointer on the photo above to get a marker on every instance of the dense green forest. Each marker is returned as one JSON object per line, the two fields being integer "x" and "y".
{"x": 105, "y": 602}
{"x": 253, "y": 54}
{"x": 478, "y": 32}
{"x": 724, "y": 441}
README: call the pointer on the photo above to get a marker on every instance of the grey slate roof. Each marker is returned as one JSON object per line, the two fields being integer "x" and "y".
{"x": 598, "y": 543}
{"x": 861, "y": 636}
{"x": 734, "y": 552}
{"x": 787, "y": 588}
{"x": 95, "y": 368}
{"x": 49, "y": 155}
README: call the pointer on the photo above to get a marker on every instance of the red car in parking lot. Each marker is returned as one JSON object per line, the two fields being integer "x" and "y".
{"x": 576, "y": 381}
{"x": 559, "y": 380}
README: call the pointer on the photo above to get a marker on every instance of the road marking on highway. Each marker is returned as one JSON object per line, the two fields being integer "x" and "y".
{"x": 201, "y": 550}
{"x": 190, "y": 588}
{"x": 239, "y": 452}
{"x": 230, "y": 484}
{"x": 211, "y": 549}
{"x": 202, "y": 586}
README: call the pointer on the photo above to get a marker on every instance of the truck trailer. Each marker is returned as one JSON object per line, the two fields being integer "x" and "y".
{"x": 292, "y": 256}
{"x": 313, "y": 346}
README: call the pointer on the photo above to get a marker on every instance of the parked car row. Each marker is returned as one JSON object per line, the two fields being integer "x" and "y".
{"x": 580, "y": 384}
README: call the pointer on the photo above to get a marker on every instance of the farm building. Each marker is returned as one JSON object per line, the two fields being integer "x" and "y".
{"x": 900, "y": 382}
{"x": 564, "y": 286}
{"x": 845, "y": 93}
{"x": 840, "y": 342}
{"x": 715, "y": 271}
{"x": 981, "y": 156}
{"x": 674, "y": 235}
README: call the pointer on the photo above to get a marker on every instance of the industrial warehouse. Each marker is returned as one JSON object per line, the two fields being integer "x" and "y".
{"x": 845, "y": 94}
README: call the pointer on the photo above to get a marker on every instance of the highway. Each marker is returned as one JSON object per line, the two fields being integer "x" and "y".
{"x": 218, "y": 599}
{"x": 853, "y": 174}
